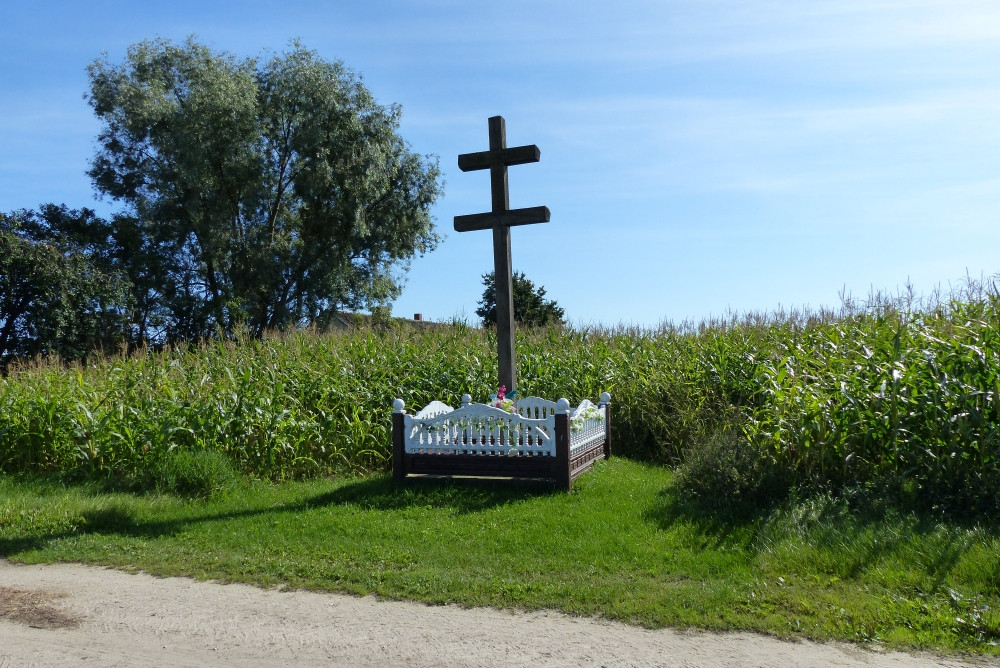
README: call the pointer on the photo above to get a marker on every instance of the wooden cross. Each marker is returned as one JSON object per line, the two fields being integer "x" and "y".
{"x": 501, "y": 219}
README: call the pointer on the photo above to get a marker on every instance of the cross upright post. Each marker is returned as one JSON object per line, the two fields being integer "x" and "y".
{"x": 501, "y": 219}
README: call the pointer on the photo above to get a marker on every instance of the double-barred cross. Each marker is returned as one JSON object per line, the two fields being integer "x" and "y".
{"x": 501, "y": 219}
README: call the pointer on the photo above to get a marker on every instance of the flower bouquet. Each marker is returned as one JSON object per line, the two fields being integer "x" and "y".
{"x": 503, "y": 400}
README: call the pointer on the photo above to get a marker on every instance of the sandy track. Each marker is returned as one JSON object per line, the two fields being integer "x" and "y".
{"x": 69, "y": 614}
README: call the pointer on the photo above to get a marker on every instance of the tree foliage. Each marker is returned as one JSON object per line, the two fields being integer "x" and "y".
{"x": 257, "y": 193}
{"x": 530, "y": 306}
{"x": 59, "y": 292}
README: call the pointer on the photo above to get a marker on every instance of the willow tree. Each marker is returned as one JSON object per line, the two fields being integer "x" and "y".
{"x": 263, "y": 192}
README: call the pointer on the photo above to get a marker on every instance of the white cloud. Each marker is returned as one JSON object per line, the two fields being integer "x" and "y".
{"x": 724, "y": 29}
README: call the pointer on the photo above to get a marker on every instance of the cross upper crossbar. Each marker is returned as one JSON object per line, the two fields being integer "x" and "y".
{"x": 519, "y": 155}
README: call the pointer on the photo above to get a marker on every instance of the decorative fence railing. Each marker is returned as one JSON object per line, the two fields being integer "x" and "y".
{"x": 540, "y": 439}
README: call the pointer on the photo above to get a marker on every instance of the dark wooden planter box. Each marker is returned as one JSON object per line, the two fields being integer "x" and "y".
{"x": 560, "y": 465}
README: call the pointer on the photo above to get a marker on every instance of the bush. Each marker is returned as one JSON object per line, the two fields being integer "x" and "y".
{"x": 726, "y": 474}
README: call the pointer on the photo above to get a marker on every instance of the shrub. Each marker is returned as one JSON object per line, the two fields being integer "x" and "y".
{"x": 726, "y": 474}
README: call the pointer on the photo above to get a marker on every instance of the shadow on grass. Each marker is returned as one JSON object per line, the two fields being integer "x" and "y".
{"x": 853, "y": 539}
{"x": 714, "y": 529}
{"x": 376, "y": 493}
{"x": 460, "y": 496}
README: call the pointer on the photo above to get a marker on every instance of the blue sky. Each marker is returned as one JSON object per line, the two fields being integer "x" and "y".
{"x": 699, "y": 157}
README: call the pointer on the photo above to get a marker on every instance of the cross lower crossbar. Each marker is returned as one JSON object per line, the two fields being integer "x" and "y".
{"x": 484, "y": 221}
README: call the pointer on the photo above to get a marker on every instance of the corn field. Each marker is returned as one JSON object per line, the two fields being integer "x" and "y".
{"x": 887, "y": 395}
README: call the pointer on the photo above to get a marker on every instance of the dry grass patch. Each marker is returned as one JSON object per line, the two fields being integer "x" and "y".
{"x": 34, "y": 608}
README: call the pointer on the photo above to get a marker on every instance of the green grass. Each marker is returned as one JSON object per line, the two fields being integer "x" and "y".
{"x": 622, "y": 545}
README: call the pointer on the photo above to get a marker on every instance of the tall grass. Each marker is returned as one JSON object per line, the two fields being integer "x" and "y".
{"x": 889, "y": 396}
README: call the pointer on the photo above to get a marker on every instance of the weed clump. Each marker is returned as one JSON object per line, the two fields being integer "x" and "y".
{"x": 201, "y": 474}
{"x": 725, "y": 474}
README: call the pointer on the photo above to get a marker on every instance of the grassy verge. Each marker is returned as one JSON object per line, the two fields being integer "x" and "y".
{"x": 620, "y": 546}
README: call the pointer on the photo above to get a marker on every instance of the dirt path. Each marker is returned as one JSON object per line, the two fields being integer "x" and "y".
{"x": 79, "y": 615}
